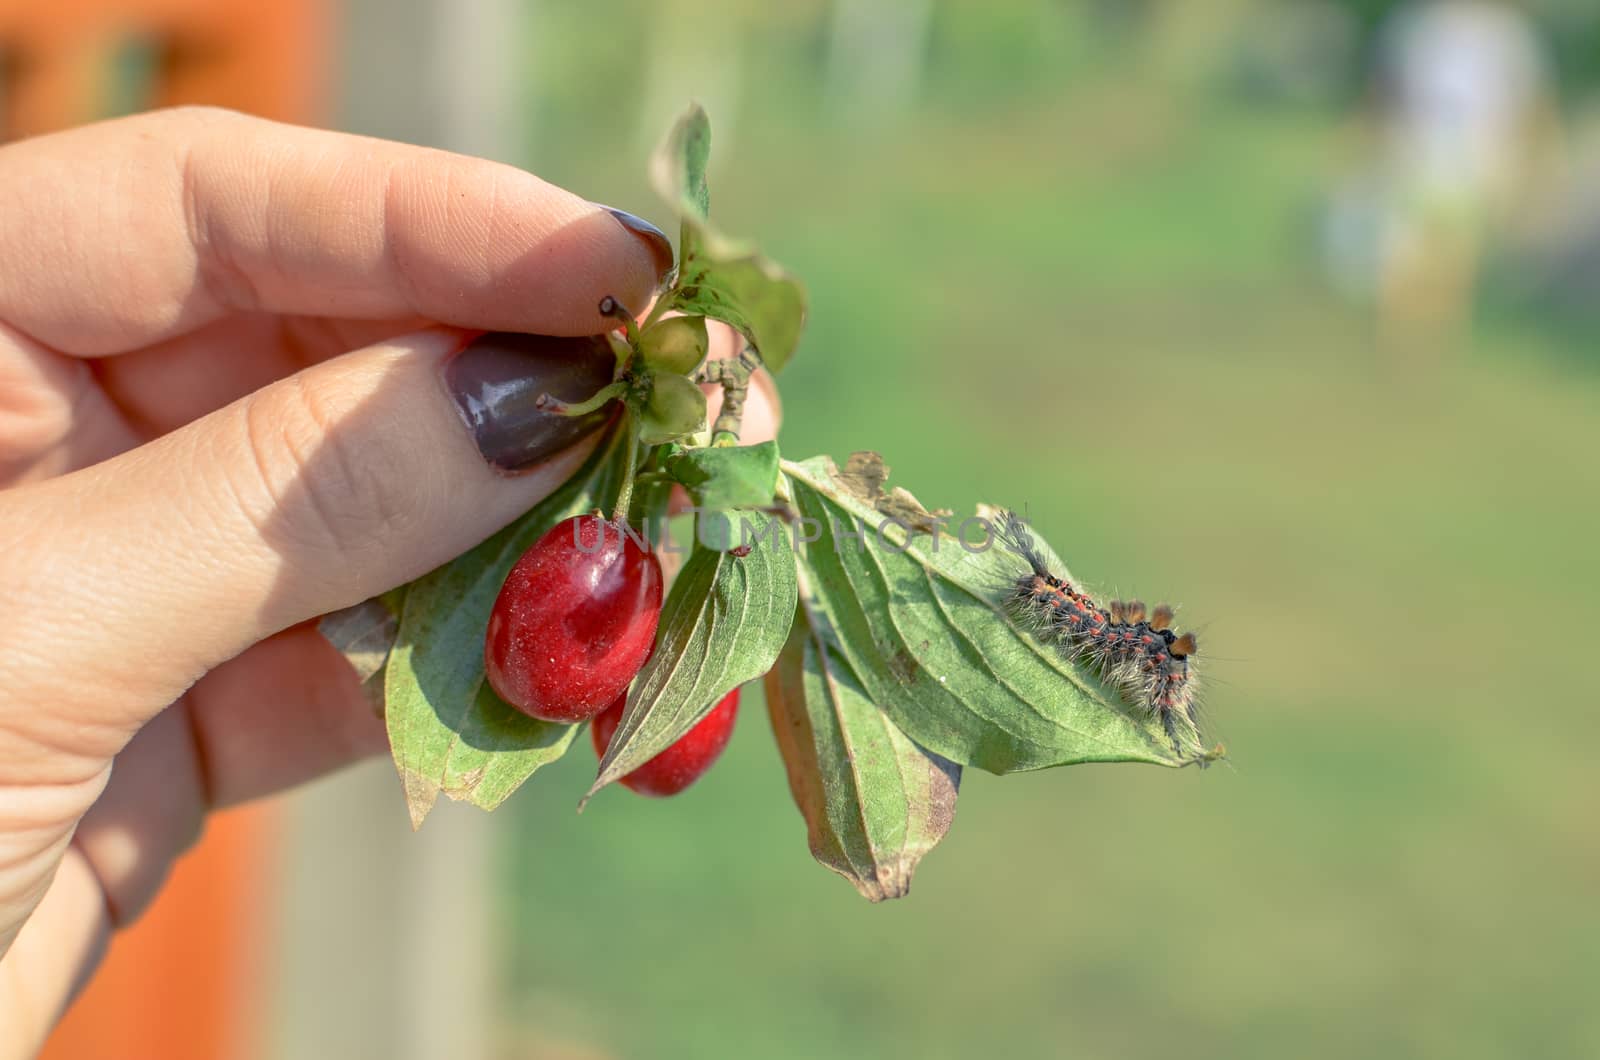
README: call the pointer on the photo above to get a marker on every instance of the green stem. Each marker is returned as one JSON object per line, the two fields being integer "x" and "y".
{"x": 621, "y": 351}
{"x": 612, "y": 308}
{"x": 609, "y": 392}
{"x": 629, "y": 470}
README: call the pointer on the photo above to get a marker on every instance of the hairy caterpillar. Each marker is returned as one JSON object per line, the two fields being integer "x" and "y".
{"x": 1137, "y": 652}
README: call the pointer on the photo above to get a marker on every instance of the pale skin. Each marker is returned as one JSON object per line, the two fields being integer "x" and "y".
{"x": 220, "y": 417}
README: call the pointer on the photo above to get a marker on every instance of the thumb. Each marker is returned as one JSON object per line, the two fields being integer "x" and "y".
{"x": 358, "y": 474}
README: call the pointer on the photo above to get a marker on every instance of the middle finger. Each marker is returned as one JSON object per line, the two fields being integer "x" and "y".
{"x": 170, "y": 383}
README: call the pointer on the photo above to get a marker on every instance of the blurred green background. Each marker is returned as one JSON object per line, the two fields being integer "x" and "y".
{"x": 1069, "y": 257}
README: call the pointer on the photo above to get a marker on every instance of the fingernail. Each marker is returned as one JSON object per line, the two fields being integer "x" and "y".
{"x": 496, "y": 381}
{"x": 648, "y": 234}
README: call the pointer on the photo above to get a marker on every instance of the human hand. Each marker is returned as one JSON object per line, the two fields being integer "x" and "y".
{"x": 223, "y": 412}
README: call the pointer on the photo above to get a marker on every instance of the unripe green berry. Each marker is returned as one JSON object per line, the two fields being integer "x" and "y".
{"x": 676, "y": 344}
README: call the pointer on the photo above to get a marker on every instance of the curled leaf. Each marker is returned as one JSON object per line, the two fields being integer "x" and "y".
{"x": 874, "y": 802}
{"x": 863, "y": 477}
{"x": 364, "y": 634}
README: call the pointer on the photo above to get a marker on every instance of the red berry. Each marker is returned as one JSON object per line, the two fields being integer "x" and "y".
{"x": 682, "y": 763}
{"x": 574, "y": 622}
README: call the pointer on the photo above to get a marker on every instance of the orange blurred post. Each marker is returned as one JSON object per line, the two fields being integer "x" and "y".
{"x": 186, "y": 980}
{"x": 268, "y": 57}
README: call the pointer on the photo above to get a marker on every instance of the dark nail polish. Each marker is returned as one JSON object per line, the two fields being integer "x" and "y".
{"x": 651, "y": 236}
{"x": 496, "y": 381}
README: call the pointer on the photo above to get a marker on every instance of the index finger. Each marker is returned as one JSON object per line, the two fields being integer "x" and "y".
{"x": 132, "y": 231}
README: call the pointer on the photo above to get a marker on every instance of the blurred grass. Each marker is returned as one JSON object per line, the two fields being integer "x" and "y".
{"x": 1086, "y": 291}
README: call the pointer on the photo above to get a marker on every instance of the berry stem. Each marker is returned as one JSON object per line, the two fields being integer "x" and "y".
{"x": 629, "y": 469}
{"x": 610, "y": 307}
{"x": 609, "y": 392}
{"x": 621, "y": 351}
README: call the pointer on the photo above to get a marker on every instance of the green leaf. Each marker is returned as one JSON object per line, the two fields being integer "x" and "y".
{"x": 743, "y": 476}
{"x": 678, "y": 167}
{"x": 731, "y": 282}
{"x": 724, "y": 622}
{"x": 676, "y": 344}
{"x": 874, "y": 802}
{"x": 926, "y": 631}
{"x": 676, "y": 407}
{"x": 719, "y": 277}
{"x": 448, "y": 731}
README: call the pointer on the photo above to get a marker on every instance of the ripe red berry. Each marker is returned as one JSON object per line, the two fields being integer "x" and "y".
{"x": 574, "y": 622}
{"x": 683, "y": 762}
